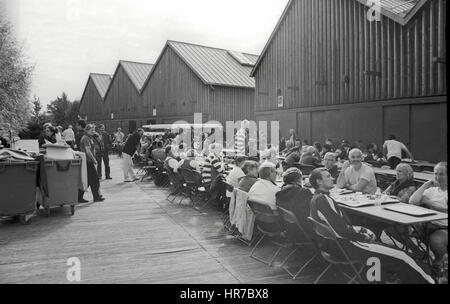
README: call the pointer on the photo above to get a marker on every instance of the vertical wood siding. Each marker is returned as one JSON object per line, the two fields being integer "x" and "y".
{"x": 175, "y": 90}
{"x": 326, "y": 52}
{"x": 123, "y": 99}
{"x": 92, "y": 104}
{"x": 232, "y": 104}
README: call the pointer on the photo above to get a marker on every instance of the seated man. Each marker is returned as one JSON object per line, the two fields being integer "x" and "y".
{"x": 159, "y": 153}
{"x": 292, "y": 157}
{"x": 357, "y": 176}
{"x": 329, "y": 161}
{"x": 265, "y": 190}
{"x": 434, "y": 195}
{"x": 295, "y": 198}
{"x": 309, "y": 159}
{"x": 236, "y": 174}
{"x": 357, "y": 242}
{"x": 250, "y": 169}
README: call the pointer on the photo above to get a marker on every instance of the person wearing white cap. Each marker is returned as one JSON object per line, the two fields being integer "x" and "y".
{"x": 265, "y": 190}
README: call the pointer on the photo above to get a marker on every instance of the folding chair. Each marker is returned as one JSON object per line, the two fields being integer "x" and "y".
{"x": 176, "y": 181}
{"x": 290, "y": 218}
{"x": 161, "y": 177}
{"x": 332, "y": 261}
{"x": 193, "y": 185}
{"x": 384, "y": 180}
{"x": 268, "y": 224}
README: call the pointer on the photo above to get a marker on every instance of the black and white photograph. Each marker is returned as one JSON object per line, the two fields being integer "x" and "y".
{"x": 224, "y": 147}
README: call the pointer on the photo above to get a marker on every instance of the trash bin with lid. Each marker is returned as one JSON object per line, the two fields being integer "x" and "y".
{"x": 62, "y": 182}
{"x": 18, "y": 189}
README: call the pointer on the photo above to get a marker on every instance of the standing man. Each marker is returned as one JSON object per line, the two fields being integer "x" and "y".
{"x": 393, "y": 150}
{"x": 104, "y": 155}
{"x": 241, "y": 139}
{"x": 87, "y": 146}
{"x": 131, "y": 146}
{"x": 81, "y": 125}
{"x": 119, "y": 137}
{"x": 69, "y": 136}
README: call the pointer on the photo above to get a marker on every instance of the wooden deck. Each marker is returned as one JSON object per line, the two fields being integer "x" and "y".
{"x": 135, "y": 236}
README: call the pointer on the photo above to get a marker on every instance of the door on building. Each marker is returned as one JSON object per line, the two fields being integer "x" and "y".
{"x": 428, "y": 132}
{"x": 132, "y": 126}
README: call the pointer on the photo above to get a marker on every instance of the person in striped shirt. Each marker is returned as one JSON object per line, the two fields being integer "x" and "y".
{"x": 241, "y": 139}
{"x": 213, "y": 165}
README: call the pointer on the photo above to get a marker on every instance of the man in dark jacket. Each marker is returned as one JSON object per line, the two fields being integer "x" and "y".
{"x": 293, "y": 197}
{"x": 81, "y": 125}
{"x": 106, "y": 145}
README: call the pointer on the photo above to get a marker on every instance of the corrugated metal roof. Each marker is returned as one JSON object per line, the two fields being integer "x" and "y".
{"x": 216, "y": 66}
{"x": 138, "y": 72}
{"x": 101, "y": 82}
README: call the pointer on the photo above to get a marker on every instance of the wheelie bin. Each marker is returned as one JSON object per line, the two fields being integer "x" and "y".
{"x": 18, "y": 189}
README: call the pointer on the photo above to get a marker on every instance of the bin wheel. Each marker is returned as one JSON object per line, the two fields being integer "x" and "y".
{"x": 25, "y": 219}
{"x": 72, "y": 210}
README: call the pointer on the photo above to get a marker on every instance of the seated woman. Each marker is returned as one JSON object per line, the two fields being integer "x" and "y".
{"x": 357, "y": 242}
{"x": 403, "y": 188}
{"x": 434, "y": 195}
{"x": 293, "y": 197}
{"x": 236, "y": 174}
{"x": 250, "y": 169}
{"x": 309, "y": 159}
{"x": 404, "y": 185}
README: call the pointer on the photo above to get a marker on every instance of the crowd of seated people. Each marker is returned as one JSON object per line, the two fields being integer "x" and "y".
{"x": 259, "y": 180}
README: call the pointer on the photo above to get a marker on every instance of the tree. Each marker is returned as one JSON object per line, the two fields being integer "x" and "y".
{"x": 63, "y": 111}
{"x": 36, "y": 110}
{"x": 15, "y": 79}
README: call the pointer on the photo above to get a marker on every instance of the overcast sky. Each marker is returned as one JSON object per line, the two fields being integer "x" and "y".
{"x": 68, "y": 39}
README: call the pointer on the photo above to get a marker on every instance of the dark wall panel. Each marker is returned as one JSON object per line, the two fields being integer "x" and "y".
{"x": 426, "y": 132}
{"x": 349, "y": 124}
{"x": 397, "y": 122}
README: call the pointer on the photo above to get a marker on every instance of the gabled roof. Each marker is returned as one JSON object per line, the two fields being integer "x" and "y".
{"x": 101, "y": 83}
{"x": 137, "y": 71}
{"x": 215, "y": 66}
{"x": 401, "y": 11}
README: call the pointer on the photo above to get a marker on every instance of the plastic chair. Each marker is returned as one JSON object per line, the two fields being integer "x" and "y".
{"x": 268, "y": 224}
{"x": 290, "y": 218}
{"x": 332, "y": 261}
